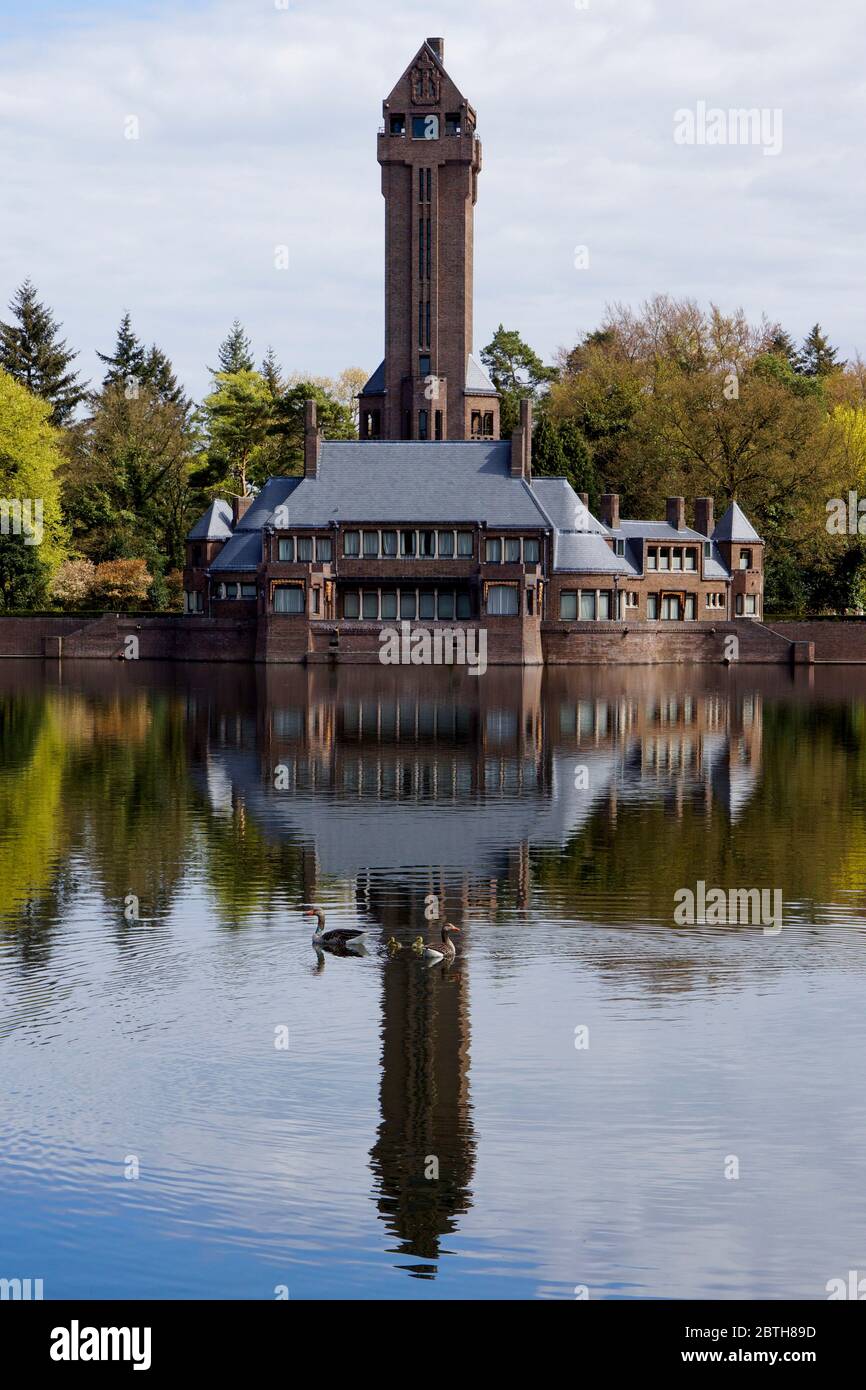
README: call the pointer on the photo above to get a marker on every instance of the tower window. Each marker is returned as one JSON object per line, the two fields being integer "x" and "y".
{"x": 488, "y": 424}
{"x": 438, "y": 424}
{"x": 429, "y": 183}
{"x": 398, "y": 125}
{"x": 373, "y": 424}
{"x": 425, "y": 127}
{"x": 422, "y": 424}
{"x": 424, "y": 364}
{"x": 476, "y": 424}
{"x": 453, "y": 124}
{"x": 427, "y": 324}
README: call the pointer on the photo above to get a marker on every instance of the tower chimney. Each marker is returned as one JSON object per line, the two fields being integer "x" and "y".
{"x": 521, "y": 444}
{"x": 704, "y": 515}
{"x": 609, "y": 510}
{"x": 438, "y": 46}
{"x": 312, "y": 440}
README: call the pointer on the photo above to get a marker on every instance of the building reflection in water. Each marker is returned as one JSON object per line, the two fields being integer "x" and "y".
{"x": 412, "y": 784}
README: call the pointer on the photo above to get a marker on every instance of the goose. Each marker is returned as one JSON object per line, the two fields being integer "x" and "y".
{"x": 347, "y": 937}
{"x": 448, "y": 951}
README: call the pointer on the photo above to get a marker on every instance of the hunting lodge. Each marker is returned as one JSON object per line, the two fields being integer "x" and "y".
{"x": 429, "y": 517}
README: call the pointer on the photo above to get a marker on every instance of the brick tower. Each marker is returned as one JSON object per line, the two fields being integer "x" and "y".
{"x": 429, "y": 385}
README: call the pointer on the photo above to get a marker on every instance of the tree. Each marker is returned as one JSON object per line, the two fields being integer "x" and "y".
{"x": 817, "y": 355}
{"x": 272, "y": 373}
{"x": 235, "y": 352}
{"x": 31, "y": 525}
{"x": 127, "y": 489}
{"x": 783, "y": 345}
{"x": 238, "y": 416}
{"x": 548, "y": 458}
{"x": 121, "y": 583}
{"x": 126, "y": 364}
{"x": 335, "y": 420}
{"x": 348, "y": 387}
{"x": 72, "y": 583}
{"x": 517, "y": 372}
{"x": 133, "y": 367}
{"x": 23, "y": 576}
{"x": 32, "y": 352}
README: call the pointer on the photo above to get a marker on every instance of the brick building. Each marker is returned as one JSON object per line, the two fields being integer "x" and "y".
{"x": 430, "y": 518}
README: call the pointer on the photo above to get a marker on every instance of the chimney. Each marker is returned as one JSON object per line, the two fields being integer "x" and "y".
{"x": 584, "y": 497}
{"x": 240, "y": 507}
{"x": 704, "y": 516}
{"x": 676, "y": 512}
{"x": 521, "y": 444}
{"x": 526, "y": 426}
{"x": 438, "y": 46}
{"x": 610, "y": 510}
{"x": 312, "y": 440}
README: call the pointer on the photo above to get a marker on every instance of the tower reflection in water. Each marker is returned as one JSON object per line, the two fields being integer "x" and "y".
{"x": 409, "y": 786}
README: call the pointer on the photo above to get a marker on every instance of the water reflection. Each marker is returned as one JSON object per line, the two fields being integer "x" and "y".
{"x": 584, "y": 796}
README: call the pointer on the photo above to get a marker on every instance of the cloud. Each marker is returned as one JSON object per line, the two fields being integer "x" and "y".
{"x": 257, "y": 129}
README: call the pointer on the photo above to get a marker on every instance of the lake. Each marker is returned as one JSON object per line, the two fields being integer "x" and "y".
{"x": 590, "y": 1100}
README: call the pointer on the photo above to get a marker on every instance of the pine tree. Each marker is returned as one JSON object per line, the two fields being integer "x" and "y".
{"x": 159, "y": 373}
{"x": 783, "y": 345}
{"x": 817, "y": 356}
{"x": 32, "y": 353}
{"x": 236, "y": 352}
{"x": 127, "y": 362}
{"x": 548, "y": 459}
{"x": 272, "y": 373}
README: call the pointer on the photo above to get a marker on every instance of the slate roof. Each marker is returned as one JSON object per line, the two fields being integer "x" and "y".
{"x": 589, "y": 553}
{"x": 735, "y": 526}
{"x": 376, "y": 385}
{"x": 478, "y": 383}
{"x": 242, "y": 552}
{"x": 564, "y": 507}
{"x": 386, "y": 481}
{"x": 215, "y": 524}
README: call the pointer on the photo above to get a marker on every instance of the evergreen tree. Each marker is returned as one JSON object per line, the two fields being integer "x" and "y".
{"x": 159, "y": 374}
{"x": 132, "y": 366}
{"x": 126, "y": 364}
{"x": 548, "y": 459}
{"x": 783, "y": 345}
{"x": 579, "y": 467}
{"x": 517, "y": 372}
{"x": 272, "y": 373}
{"x": 23, "y": 576}
{"x": 32, "y": 352}
{"x": 236, "y": 352}
{"x": 817, "y": 356}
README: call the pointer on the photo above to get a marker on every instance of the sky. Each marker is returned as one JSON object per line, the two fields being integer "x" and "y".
{"x": 256, "y": 127}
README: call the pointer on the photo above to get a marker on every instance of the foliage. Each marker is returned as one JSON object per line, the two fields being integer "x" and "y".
{"x": 32, "y": 352}
{"x": 121, "y": 584}
{"x": 72, "y": 583}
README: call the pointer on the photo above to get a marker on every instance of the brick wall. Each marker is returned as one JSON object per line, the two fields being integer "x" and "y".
{"x": 161, "y": 637}
{"x": 841, "y": 640}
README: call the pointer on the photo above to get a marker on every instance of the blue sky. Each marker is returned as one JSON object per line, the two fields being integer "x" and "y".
{"x": 257, "y": 129}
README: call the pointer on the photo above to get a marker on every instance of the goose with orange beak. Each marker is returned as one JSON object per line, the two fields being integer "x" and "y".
{"x": 448, "y": 951}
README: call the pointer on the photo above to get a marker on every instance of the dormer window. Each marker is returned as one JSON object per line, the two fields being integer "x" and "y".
{"x": 619, "y": 547}
{"x": 425, "y": 127}
{"x": 398, "y": 125}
